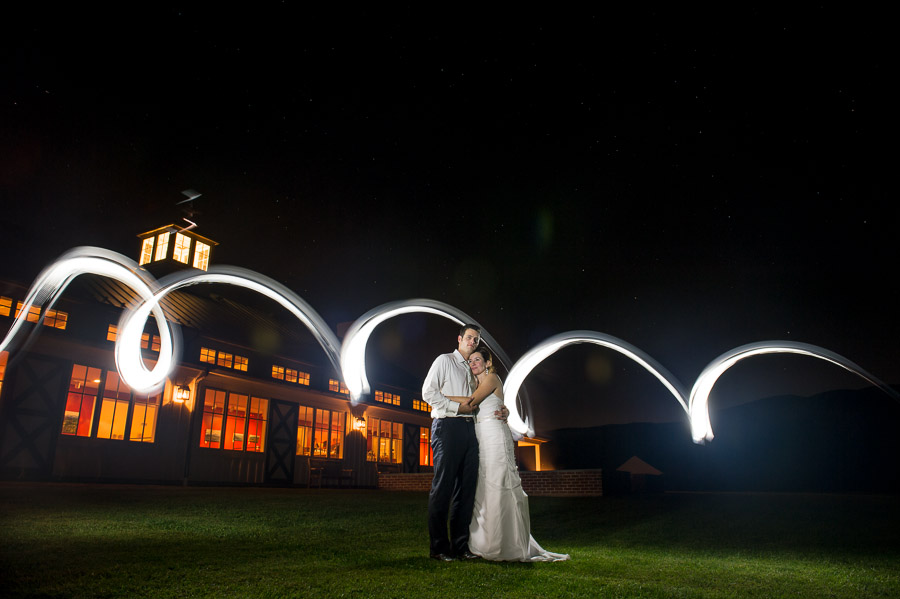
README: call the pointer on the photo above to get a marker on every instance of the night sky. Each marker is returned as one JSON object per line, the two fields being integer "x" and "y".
{"x": 686, "y": 182}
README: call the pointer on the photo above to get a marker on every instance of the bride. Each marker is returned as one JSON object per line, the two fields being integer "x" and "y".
{"x": 501, "y": 527}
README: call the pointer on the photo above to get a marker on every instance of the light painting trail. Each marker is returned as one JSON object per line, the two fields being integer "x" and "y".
{"x": 699, "y": 409}
{"x": 349, "y": 358}
{"x": 353, "y": 352}
{"x": 550, "y": 346}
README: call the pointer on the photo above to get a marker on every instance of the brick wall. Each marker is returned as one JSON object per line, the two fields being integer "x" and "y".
{"x": 551, "y": 483}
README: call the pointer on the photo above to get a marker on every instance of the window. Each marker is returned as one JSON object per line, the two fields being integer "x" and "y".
{"x": 243, "y": 422}
{"x": 207, "y": 355}
{"x": 426, "y": 453}
{"x": 337, "y": 386}
{"x": 420, "y": 405}
{"x": 384, "y": 441}
{"x": 4, "y": 356}
{"x": 211, "y": 356}
{"x": 213, "y": 415}
{"x": 146, "y": 251}
{"x": 320, "y": 433}
{"x": 34, "y": 312}
{"x": 182, "y": 248}
{"x": 224, "y": 359}
{"x": 201, "y": 255}
{"x": 290, "y": 375}
{"x": 385, "y": 397}
{"x": 162, "y": 245}
{"x": 56, "y": 319}
{"x": 116, "y": 403}
{"x": 5, "y": 306}
{"x": 240, "y": 363}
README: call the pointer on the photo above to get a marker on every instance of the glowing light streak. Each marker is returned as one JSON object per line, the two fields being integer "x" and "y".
{"x": 701, "y": 429}
{"x": 53, "y": 280}
{"x": 128, "y": 358}
{"x": 353, "y": 351}
{"x": 550, "y": 346}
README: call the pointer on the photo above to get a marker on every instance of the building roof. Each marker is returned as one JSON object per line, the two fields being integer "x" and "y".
{"x": 636, "y": 465}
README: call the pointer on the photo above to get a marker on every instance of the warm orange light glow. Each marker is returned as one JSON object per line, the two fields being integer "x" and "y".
{"x": 182, "y": 248}
{"x": 359, "y": 424}
{"x": 201, "y": 255}
{"x": 182, "y": 394}
{"x": 146, "y": 251}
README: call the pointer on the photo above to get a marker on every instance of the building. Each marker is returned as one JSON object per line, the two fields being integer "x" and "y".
{"x": 252, "y": 400}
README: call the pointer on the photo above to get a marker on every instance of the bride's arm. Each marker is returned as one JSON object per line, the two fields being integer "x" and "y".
{"x": 488, "y": 385}
{"x": 459, "y": 398}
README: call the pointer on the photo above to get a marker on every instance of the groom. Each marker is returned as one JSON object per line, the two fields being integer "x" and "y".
{"x": 455, "y": 449}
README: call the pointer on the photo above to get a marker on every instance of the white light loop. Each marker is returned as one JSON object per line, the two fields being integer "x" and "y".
{"x": 549, "y": 346}
{"x": 701, "y": 429}
{"x": 353, "y": 351}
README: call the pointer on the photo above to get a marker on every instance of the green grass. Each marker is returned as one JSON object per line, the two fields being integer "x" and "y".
{"x": 134, "y": 541}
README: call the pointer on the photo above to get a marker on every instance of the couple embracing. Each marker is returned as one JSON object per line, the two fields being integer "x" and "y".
{"x": 476, "y": 480}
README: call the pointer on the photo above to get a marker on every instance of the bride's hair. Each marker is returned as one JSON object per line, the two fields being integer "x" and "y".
{"x": 486, "y": 354}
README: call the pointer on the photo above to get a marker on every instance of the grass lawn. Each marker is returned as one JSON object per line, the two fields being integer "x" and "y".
{"x": 144, "y": 541}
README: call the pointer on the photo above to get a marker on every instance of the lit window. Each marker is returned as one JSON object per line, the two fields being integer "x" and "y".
{"x": 385, "y": 397}
{"x": 244, "y": 421}
{"x": 236, "y": 421}
{"x": 426, "y": 453}
{"x": 146, "y": 251}
{"x": 240, "y": 363}
{"x": 34, "y": 312}
{"x": 182, "y": 248}
{"x": 143, "y": 418}
{"x": 213, "y": 414}
{"x": 328, "y": 434}
{"x": 207, "y": 355}
{"x": 116, "y": 402}
{"x": 113, "y": 408}
{"x": 337, "y": 386}
{"x": 5, "y": 306}
{"x": 420, "y": 405}
{"x": 256, "y": 424}
{"x": 304, "y": 430}
{"x": 303, "y": 379}
{"x": 56, "y": 319}
{"x": 278, "y": 372}
{"x": 224, "y": 359}
{"x": 201, "y": 255}
{"x": 290, "y": 375}
{"x": 112, "y": 332}
{"x": 384, "y": 441}
{"x": 80, "y": 401}
{"x": 162, "y": 246}
{"x": 4, "y": 356}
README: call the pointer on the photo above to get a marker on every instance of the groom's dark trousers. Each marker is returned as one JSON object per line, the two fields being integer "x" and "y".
{"x": 453, "y": 487}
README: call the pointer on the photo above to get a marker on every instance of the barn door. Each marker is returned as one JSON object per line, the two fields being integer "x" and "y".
{"x": 282, "y": 442}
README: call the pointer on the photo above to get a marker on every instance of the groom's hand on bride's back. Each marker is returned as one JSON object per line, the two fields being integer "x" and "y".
{"x": 464, "y": 408}
{"x": 502, "y": 414}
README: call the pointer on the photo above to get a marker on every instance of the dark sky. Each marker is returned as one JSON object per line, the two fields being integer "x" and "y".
{"x": 688, "y": 182}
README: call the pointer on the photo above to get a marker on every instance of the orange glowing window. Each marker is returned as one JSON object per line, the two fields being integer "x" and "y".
{"x": 278, "y": 372}
{"x": 240, "y": 363}
{"x": 304, "y": 430}
{"x": 420, "y": 405}
{"x": 385, "y": 397}
{"x": 5, "y": 306}
{"x": 143, "y": 418}
{"x": 182, "y": 248}
{"x": 162, "y": 246}
{"x": 213, "y": 415}
{"x": 201, "y": 255}
{"x": 84, "y": 386}
{"x": 207, "y": 355}
{"x": 112, "y": 332}
{"x": 34, "y": 312}
{"x": 146, "y": 251}
{"x": 4, "y": 356}
{"x": 256, "y": 424}
{"x": 113, "y": 408}
{"x": 235, "y": 421}
{"x": 56, "y": 319}
{"x": 337, "y": 386}
{"x": 225, "y": 359}
{"x": 290, "y": 375}
{"x": 426, "y": 453}
{"x": 384, "y": 441}
{"x": 303, "y": 378}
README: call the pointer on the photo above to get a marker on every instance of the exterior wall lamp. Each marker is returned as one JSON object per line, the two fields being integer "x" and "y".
{"x": 182, "y": 394}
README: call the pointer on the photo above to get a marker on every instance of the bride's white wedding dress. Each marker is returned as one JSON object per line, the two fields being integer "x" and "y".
{"x": 501, "y": 525}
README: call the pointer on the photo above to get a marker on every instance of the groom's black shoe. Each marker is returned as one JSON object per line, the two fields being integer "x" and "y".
{"x": 441, "y": 557}
{"x": 466, "y": 555}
